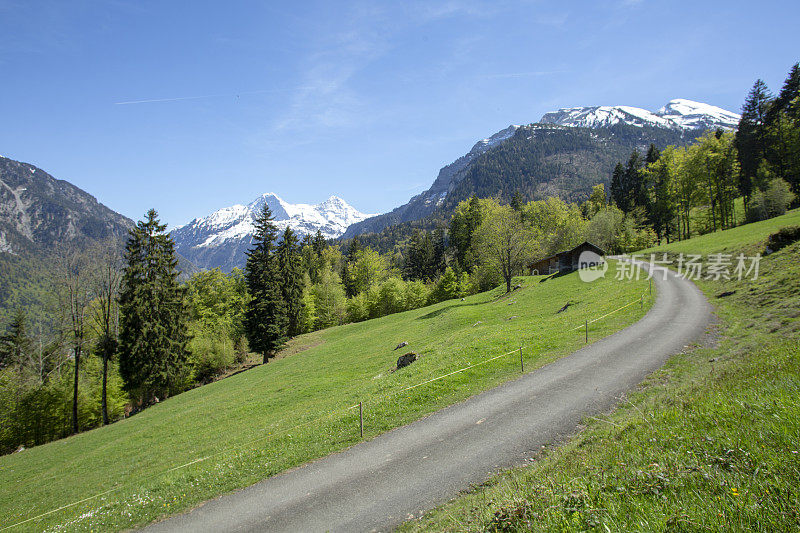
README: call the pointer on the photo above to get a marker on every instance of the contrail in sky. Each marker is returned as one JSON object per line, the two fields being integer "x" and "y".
{"x": 526, "y": 74}
{"x": 153, "y": 100}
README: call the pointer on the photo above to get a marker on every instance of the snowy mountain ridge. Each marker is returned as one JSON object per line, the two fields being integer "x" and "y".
{"x": 228, "y": 232}
{"x": 680, "y": 114}
{"x": 682, "y": 119}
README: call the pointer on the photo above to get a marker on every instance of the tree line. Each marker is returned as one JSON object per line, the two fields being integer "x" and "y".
{"x": 682, "y": 191}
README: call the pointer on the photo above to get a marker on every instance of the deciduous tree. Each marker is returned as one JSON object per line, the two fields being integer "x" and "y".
{"x": 504, "y": 242}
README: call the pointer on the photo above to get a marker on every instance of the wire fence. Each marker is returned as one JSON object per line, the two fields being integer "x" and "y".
{"x": 324, "y": 417}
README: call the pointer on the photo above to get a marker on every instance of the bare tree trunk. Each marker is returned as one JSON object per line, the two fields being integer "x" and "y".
{"x": 103, "y": 402}
{"x": 107, "y": 280}
{"x": 76, "y": 297}
{"x": 75, "y": 391}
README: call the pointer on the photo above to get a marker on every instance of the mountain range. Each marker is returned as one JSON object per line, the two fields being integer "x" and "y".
{"x": 566, "y": 153}
{"x": 221, "y": 238}
{"x": 678, "y": 114}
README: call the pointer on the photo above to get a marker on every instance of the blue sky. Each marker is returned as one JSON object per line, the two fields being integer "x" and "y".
{"x": 192, "y": 106}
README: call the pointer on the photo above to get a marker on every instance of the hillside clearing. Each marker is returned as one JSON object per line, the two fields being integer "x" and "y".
{"x": 235, "y": 432}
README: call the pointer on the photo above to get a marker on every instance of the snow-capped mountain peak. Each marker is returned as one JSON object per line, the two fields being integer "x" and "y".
{"x": 228, "y": 231}
{"x": 677, "y": 114}
{"x": 696, "y": 115}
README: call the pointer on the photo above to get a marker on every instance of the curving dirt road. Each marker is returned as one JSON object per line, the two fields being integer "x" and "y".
{"x": 376, "y": 485}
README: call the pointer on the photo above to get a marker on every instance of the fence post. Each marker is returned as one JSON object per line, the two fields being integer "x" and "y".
{"x": 586, "y": 341}
{"x": 361, "y": 418}
{"x": 521, "y": 363}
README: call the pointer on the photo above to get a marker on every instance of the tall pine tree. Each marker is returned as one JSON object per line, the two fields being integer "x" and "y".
{"x": 619, "y": 194}
{"x": 652, "y": 154}
{"x": 290, "y": 272}
{"x": 348, "y": 279}
{"x": 789, "y": 92}
{"x": 265, "y": 319}
{"x": 15, "y": 344}
{"x": 635, "y": 181}
{"x": 751, "y": 137}
{"x": 783, "y": 129}
{"x": 153, "y": 315}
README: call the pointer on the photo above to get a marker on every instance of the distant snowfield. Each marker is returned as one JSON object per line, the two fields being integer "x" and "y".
{"x": 677, "y": 114}
{"x": 235, "y": 223}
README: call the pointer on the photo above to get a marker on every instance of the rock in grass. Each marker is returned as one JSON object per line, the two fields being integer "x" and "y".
{"x": 406, "y": 359}
{"x": 401, "y": 345}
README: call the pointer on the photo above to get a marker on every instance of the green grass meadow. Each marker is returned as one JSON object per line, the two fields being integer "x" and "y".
{"x": 709, "y": 443}
{"x": 235, "y": 432}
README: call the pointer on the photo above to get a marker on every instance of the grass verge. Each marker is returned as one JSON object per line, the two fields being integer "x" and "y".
{"x": 235, "y": 432}
{"x": 711, "y": 442}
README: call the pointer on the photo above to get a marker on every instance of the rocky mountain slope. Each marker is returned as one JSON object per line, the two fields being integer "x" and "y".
{"x": 38, "y": 211}
{"x": 221, "y": 238}
{"x": 564, "y": 154}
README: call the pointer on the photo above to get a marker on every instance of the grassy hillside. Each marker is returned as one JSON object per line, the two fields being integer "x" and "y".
{"x": 709, "y": 443}
{"x": 240, "y": 430}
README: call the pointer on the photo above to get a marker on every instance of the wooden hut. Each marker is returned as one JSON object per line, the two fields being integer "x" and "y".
{"x": 566, "y": 261}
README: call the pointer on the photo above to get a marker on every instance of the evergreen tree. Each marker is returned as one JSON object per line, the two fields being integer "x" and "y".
{"x": 291, "y": 280}
{"x": 319, "y": 243}
{"x": 652, "y": 154}
{"x": 439, "y": 262}
{"x": 353, "y": 249}
{"x": 628, "y": 186}
{"x": 751, "y": 136}
{"x": 635, "y": 182}
{"x": 348, "y": 278}
{"x": 265, "y": 319}
{"x": 783, "y": 129}
{"x": 425, "y": 260}
{"x": 618, "y": 193}
{"x": 516, "y": 202}
{"x": 416, "y": 256}
{"x": 784, "y": 101}
{"x": 15, "y": 344}
{"x": 153, "y": 314}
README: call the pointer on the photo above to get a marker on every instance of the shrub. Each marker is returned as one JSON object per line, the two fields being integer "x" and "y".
{"x": 211, "y": 356}
{"x": 416, "y": 294}
{"x": 784, "y": 237}
{"x": 771, "y": 202}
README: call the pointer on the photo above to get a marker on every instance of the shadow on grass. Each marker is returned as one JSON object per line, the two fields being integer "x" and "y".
{"x": 443, "y": 310}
